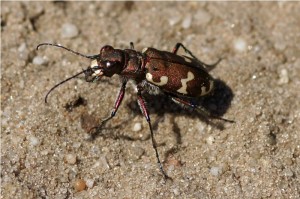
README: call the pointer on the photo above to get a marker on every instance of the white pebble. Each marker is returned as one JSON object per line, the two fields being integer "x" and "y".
{"x": 280, "y": 45}
{"x": 89, "y": 183}
{"x": 240, "y": 45}
{"x": 215, "y": 171}
{"x": 22, "y": 47}
{"x": 45, "y": 152}
{"x": 210, "y": 140}
{"x": 288, "y": 172}
{"x": 283, "y": 77}
{"x": 38, "y": 60}
{"x": 202, "y": 17}
{"x": 104, "y": 162}
{"x": 23, "y": 51}
{"x": 34, "y": 141}
{"x": 174, "y": 20}
{"x": 137, "y": 127}
{"x": 176, "y": 192}
{"x": 70, "y": 158}
{"x": 187, "y": 21}
{"x": 69, "y": 30}
{"x": 76, "y": 145}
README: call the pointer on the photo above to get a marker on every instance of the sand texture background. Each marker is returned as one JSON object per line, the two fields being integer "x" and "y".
{"x": 46, "y": 148}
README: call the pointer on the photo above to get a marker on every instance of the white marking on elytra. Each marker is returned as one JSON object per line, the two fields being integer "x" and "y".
{"x": 94, "y": 63}
{"x": 203, "y": 88}
{"x": 190, "y": 76}
{"x": 144, "y": 50}
{"x": 163, "y": 80}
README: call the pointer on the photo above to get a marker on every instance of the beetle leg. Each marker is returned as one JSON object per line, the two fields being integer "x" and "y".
{"x": 144, "y": 110}
{"x": 200, "y": 109}
{"x": 208, "y": 66}
{"x": 116, "y": 107}
{"x": 131, "y": 46}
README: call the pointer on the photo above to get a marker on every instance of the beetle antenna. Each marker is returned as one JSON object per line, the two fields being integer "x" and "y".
{"x": 68, "y": 49}
{"x": 60, "y": 83}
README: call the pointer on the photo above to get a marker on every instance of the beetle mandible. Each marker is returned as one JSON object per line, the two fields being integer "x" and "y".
{"x": 182, "y": 78}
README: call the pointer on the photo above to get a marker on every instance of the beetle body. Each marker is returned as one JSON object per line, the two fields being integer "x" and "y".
{"x": 171, "y": 73}
{"x": 182, "y": 78}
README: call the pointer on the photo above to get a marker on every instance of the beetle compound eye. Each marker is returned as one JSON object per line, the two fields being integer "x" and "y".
{"x": 106, "y": 64}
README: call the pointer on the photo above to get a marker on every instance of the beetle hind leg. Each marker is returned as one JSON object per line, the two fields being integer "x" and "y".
{"x": 207, "y": 66}
{"x": 199, "y": 109}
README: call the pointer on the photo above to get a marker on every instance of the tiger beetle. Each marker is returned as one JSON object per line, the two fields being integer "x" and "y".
{"x": 182, "y": 78}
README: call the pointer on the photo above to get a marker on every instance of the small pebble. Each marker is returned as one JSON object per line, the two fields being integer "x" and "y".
{"x": 283, "y": 77}
{"x": 176, "y": 191}
{"x": 23, "y": 52}
{"x": 79, "y": 185}
{"x": 104, "y": 162}
{"x": 210, "y": 140}
{"x": 215, "y": 171}
{"x": 34, "y": 141}
{"x": 22, "y": 47}
{"x": 90, "y": 183}
{"x": 280, "y": 45}
{"x": 202, "y": 17}
{"x": 174, "y": 20}
{"x": 137, "y": 127}
{"x": 38, "y": 60}
{"x": 288, "y": 172}
{"x": 76, "y": 145}
{"x": 240, "y": 45}
{"x": 70, "y": 158}
{"x": 45, "y": 152}
{"x": 187, "y": 21}
{"x": 69, "y": 30}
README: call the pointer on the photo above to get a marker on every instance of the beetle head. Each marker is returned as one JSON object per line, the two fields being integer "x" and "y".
{"x": 109, "y": 62}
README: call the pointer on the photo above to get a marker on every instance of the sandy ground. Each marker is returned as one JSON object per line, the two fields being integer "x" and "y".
{"x": 46, "y": 148}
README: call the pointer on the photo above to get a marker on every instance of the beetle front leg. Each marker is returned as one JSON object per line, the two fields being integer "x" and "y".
{"x": 200, "y": 109}
{"x": 116, "y": 107}
{"x": 144, "y": 110}
{"x": 210, "y": 66}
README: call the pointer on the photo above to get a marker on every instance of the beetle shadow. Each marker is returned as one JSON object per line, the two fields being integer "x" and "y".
{"x": 216, "y": 104}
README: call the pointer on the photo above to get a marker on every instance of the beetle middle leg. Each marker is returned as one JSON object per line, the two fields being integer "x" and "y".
{"x": 208, "y": 66}
{"x": 200, "y": 109}
{"x": 144, "y": 110}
